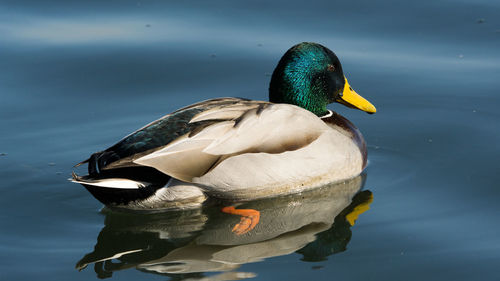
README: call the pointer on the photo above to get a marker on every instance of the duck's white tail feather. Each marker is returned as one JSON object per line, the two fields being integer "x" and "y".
{"x": 110, "y": 182}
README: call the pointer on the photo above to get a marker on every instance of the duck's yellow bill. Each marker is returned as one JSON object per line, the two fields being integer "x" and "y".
{"x": 351, "y": 99}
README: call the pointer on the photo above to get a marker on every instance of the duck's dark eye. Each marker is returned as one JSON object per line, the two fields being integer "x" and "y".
{"x": 331, "y": 68}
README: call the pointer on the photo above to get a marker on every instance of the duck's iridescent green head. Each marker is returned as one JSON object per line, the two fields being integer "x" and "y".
{"x": 310, "y": 75}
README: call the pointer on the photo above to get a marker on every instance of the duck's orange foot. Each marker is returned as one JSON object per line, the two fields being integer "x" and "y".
{"x": 249, "y": 219}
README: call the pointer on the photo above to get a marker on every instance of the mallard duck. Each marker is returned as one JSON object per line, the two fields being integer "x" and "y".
{"x": 240, "y": 149}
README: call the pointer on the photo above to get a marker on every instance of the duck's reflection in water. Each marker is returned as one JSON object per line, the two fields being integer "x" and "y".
{"x": 185, "y": 244}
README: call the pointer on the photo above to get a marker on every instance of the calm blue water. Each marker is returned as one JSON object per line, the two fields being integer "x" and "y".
{"x": 76, "y": 77}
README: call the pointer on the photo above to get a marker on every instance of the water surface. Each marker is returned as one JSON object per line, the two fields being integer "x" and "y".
{"x": 76, "y": 77}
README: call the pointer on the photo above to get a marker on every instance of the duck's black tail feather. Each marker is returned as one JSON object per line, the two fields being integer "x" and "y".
{"x": 81, "y": 163}
{"x": 99, "y": 160}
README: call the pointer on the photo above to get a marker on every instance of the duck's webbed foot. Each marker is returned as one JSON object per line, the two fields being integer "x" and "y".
{"x": 249, "y": 219}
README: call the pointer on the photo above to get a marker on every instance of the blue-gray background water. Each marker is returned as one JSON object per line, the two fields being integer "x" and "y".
{"x": 75, "y": 77}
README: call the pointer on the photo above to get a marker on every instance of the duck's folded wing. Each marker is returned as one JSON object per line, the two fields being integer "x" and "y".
{"x": 155, "y": 136}
{"x": 260, "y": 128}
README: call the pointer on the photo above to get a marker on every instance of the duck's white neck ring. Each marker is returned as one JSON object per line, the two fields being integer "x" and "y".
{"x": 330, "y": 113}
